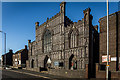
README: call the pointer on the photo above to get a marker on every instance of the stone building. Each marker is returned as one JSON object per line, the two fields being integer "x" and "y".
{"x": 20, "y": 57}
{"x": 114, "y": 46}
{"x": 64, "y": 47}
{"x": 7, "y": 58}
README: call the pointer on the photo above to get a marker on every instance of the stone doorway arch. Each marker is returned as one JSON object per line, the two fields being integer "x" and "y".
{"x": 45, "y": 62}
{"x": 32, "y": 63}
{"x": 72, "y": 62}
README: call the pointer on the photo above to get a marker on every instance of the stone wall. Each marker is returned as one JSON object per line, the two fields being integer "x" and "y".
{"x": 68, "y": 73}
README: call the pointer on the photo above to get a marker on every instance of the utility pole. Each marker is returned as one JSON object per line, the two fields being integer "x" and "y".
{"x": 107, "y": 66}
{"x": 4, "y": 45}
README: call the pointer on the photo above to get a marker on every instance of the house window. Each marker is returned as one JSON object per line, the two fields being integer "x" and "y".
{"x": 47, "y": 41}
{"x": 73, "y": 40}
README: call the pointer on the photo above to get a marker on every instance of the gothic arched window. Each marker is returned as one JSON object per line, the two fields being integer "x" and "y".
{"x": 47, "y": 41}
{"x": 73, "y": 39}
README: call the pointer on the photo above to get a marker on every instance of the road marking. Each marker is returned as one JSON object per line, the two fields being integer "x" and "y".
{"x": 33, "y": 74}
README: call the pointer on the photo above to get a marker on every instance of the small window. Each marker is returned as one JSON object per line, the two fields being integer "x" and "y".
{"x": 102, "y": 67}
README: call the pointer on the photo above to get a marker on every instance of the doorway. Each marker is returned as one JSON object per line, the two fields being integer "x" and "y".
{"x": 72, "y": 62}
{"x": 32, "y": 63}
{"x": 45, "y": 62}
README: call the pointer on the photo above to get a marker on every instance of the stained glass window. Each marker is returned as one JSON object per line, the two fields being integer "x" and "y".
{"x": 47, "y": 41}
{"x": 73, "y": 40}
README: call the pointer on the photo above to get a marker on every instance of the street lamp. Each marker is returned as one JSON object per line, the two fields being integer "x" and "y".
{"x": 107, "y": 66}
{"x": 4, "y": 44}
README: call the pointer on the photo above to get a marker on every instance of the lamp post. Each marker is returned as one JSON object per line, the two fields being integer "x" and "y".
{"x": 4, "y": 44}
{"x": 107, "y": 66}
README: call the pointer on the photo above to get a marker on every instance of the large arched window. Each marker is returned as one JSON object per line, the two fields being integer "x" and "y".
{"x": 73, "y": 39}
{"x": 47, "y": 41}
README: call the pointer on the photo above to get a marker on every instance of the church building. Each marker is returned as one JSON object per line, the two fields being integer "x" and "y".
{"x": 63, "y": 47}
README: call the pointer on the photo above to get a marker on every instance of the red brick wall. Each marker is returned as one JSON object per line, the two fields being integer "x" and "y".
{"x": 102, "y": 74}
{"x": 113, "y": 39}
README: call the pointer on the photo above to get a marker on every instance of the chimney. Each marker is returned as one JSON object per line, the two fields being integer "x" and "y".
{"x": 25, "y": 46}
{"x": 47, "y": 19}
{"x": 37, "y": 25}
{"x": 29, "y": 41}
{"x": 10, "y": 50}
{"x": 96, "y": 27}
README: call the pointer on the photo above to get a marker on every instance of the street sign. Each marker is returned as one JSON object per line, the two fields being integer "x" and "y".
{"x": 19, "y": 61}
{"x": 56, "y": 63}
{"x": 113, "y": 58}
{"x": 49, "y": 61}
{"x": 104, "y": 58}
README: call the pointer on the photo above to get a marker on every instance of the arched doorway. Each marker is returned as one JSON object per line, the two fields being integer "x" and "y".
{"x": 72, "y": 62}
{"x": 32, "y": 63}
{"x": 45, "y": 62}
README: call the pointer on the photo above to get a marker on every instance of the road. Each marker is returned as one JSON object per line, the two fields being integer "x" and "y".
{"x": 14, "y": 75}
{"x": 21, "y": 74}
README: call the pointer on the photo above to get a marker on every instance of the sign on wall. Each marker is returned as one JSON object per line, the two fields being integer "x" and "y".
{"x": 113, "y": 58}
{"x": 19, "y": 61}
{"x": 104, "y": 58}
{"x": 15, "y": 59}
{"x": 56, "y": 63}
{"x": 49, "y": 61}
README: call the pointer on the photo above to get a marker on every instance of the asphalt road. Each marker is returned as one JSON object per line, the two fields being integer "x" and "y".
{"x": 21, "y": 74}
{"x": 11, "y": 75}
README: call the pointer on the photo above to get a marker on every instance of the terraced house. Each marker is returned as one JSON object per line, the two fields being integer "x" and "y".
{"x": 64, "y": 47}
{"x": 20, "y": 57}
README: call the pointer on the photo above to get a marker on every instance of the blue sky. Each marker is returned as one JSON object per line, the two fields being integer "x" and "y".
{"x": 18, "y": 18}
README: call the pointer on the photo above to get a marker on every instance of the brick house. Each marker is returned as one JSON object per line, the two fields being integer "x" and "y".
{"x": 7, "y": 58}
{"x": 20, "y": 57}
{"x": 64, "y": 47}
{"x": 114, "y": 46}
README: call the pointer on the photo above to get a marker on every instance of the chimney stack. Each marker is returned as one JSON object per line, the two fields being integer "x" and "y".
{"x": 96, "y": 27}
{"x": 29, "y": 41}
{"x": 37, "y": 25}
{"x": 10, "y": 50}
{"x": 25, "y": 46}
